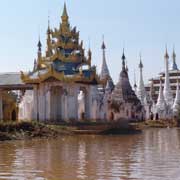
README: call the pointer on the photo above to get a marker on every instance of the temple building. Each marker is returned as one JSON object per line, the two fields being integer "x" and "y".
{"x": 63, "y": 86}
{"x": 61, "y": 75}
{"x": 124, "y": 102}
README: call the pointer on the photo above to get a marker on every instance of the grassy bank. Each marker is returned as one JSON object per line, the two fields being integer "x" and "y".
{"x": 157, "y": 124}
{"x": 29, "y": 130}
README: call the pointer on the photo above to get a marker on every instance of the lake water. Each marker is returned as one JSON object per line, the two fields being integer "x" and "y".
{"x": 152, "y": 155}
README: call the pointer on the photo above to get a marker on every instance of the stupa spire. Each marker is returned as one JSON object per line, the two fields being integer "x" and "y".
{"x": 39, "y": 45}
{"x": 161, "y": 101}
{"x": 123, "y": 61}
{"x": 104, "y": 74}
{"x": 176, "y": 105}
{"x": 141, "y": 92}
{"x": 39, "y": 53}
{"x": 174, "y": 65}
{"x": 65, "y": 14}
{"x": 48, "y": 40}
{"x": 167, "y": 89}
{"x": 65, "y": 20}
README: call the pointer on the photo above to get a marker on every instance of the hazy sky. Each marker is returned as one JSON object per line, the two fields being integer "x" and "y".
{"x": 139, "y": 25}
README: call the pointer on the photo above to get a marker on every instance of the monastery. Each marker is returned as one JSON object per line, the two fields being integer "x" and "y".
{"x": 64, "y": 86}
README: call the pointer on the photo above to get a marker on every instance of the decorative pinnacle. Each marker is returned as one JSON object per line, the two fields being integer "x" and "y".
{"x": 89, "y": 52}
{"x": 65, "y": 14}
{"x": 48, "y": 30}
{"x": 140, "y": 64}
{"x": 174, "y": 54}
{"x": 39, "y": 45}
{"x": 123, "y": 56}
{"x": 103, "y": 44}
{"x": 166, "y": 56}
{"x": 123, "y": 60}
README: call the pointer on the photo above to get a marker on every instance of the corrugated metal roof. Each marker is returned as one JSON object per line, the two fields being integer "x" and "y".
{"x": 10, "y": 79}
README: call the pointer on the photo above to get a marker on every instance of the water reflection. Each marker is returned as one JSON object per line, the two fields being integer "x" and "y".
{"x": 153, "y": 155}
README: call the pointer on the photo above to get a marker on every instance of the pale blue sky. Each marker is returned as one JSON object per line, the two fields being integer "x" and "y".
{"x": 139, "y": 25}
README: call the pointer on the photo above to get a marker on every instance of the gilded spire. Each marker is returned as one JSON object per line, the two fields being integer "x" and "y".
{"x": 39, "y": 45}
{"x": 48, "y": 30}
{"x": 48, "y": 50}
{"x": 39, "y": 52}
{"x": 65, "y": 27}
{"x": 65, "y": 14}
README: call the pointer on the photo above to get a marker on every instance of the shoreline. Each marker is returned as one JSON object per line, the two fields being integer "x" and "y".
{"x": 30, "y": 130}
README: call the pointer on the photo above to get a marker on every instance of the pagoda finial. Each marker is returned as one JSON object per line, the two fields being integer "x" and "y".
{"x": 103, "y": 44}
{"x": 140, "y": 64}
{"x": 123, "y": 61}
{"x": 104, "y": 74}
{"x": 174, "y": 65}
{"x": 65, "y": 14}
{"x": 166, "y": 56}
{"x": 39, "y": 54}
{"x": 65, "y": 22}
{"x": 39, "y": 45}
{"x": 48, "y": 30}
{"x": 135, "y": 84}
{"x": 48, "y": 40}
{"x": 174, "y": 54}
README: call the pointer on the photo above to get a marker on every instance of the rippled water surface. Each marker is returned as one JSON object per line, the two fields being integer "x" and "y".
{"x": 152, "y": 155}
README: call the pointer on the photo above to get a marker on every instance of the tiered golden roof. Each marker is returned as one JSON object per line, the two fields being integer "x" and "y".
{"x": 64, "y": 57}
